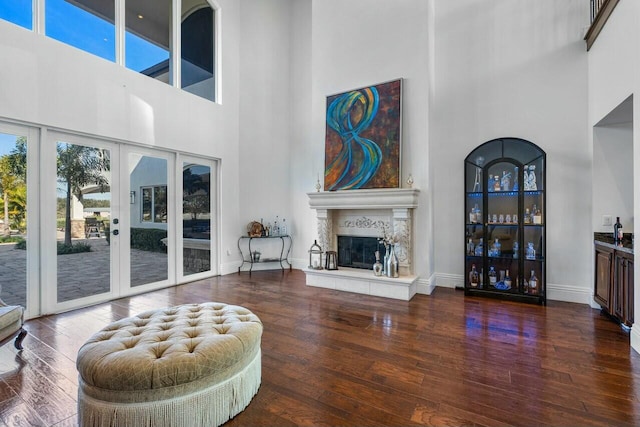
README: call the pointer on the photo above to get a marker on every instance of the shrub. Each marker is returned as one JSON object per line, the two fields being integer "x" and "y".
{"x": 11, "y": 239}
{"x": 22, "y": 244}
{"x": 148, "y": 239}
{"x": 73, "y": 249}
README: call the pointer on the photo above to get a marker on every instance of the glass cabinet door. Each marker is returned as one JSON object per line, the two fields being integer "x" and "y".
{"x": 505, "y": 221}
{"x": 503, "y": 238}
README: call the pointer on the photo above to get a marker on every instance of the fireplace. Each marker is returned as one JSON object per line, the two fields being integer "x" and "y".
{"x": 367, "y": 214}
{"x": 358, "y": 252}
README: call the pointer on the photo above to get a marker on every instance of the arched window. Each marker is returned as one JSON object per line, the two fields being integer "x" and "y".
{"x": 198, "y": 50}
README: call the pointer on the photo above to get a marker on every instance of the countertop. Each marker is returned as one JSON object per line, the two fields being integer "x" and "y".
{"x": 606, "y": 239}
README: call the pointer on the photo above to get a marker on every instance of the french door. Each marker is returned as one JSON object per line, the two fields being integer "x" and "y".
{"x": 87, "y": 220}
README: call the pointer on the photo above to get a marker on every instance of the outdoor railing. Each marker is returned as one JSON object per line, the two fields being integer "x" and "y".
{"x": 600, "y": 12}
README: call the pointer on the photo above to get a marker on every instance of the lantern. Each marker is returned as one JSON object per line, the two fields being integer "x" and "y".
{"x": 331, "y": 260}
{"x": 315, "y": 256}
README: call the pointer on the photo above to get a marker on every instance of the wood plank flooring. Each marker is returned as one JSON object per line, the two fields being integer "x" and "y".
{"x": 333, "y": 359}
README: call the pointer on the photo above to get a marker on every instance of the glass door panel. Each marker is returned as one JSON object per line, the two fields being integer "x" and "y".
{"x": 83, "y": 200}
{"x": 196, "y": 218}
{"x": 13, "y": 218}
{"x": 149, "y": 216}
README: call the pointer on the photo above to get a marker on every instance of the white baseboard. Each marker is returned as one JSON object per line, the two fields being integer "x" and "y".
{"x": 555, "y": 292}
{"x": 569, "y": 293}
{"x": 635, "y": 338}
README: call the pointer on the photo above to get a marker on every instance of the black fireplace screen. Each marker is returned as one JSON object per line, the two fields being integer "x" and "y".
{"x": 358, "y": 252}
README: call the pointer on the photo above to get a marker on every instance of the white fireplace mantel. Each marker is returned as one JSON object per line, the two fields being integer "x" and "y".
{"x": 366, "y": 212}
{"x": 386, "y": 198}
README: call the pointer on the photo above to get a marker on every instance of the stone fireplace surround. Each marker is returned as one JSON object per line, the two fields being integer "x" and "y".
{"x": 366, "y": 213}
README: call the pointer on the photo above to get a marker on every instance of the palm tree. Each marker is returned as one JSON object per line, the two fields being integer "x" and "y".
{"x": 8, "y": 181}
{"x": 78, "y": 167}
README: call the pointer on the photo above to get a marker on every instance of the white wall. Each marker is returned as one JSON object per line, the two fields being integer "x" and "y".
{"x": 613, "y": 176}
{"x": 613, "y": 77}
{"x": 265, "y": 114}
{"x": 47, "y": 83}
{"x": 514, "y": 68}
{"x": 355, "y": 44}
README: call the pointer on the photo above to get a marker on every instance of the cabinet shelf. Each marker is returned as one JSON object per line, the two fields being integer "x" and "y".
{"x": 511, "y": 163}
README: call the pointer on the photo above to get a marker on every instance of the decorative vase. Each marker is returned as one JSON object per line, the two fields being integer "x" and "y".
{"x": 391, "y": 265}
{"x": 377, "y": 266}
{"x": 385, "y": 260}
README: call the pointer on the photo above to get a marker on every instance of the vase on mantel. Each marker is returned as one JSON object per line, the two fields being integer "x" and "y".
{"x": 377, "y": 266}
{"x": 391, "y": 264}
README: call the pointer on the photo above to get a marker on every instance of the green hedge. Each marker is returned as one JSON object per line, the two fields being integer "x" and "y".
{"x": 148, "y": 239}
{"x": 11, "y": 239}
{"x": 73, "y": 249}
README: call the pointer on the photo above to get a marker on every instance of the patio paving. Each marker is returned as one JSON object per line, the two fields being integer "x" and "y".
{"x": 79, "y": 275}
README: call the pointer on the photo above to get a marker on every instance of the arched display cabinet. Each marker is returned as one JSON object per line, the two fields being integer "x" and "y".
{"x": 505, "y": 220}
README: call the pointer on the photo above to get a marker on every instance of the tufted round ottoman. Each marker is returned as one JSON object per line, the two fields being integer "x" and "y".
{"x": 190, "y": 365}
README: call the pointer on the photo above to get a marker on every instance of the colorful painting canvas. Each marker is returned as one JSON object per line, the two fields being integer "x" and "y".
{"x": 362, "y": 143}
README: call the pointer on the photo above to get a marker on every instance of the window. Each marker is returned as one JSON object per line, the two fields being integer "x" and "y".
{"x": 197, "y": 46}
{"x": 17, "y": 11}
{"x": 148, "y": 37}
{"x": 91, "y": 29}
{"x": 154, "y": 204}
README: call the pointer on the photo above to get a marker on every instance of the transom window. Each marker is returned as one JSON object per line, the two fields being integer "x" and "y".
{"x": 180, "y": 52}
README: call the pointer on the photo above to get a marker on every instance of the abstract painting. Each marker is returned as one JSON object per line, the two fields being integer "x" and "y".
{"x": 362, "y": 143}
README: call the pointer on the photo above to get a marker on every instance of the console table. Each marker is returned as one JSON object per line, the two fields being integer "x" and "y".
{"x": 248, "y": 253}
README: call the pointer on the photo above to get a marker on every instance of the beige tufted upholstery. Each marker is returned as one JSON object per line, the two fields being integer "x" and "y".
{"x": 173, "y": 356}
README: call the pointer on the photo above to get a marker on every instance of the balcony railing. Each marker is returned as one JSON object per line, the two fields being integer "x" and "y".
{"x": 600, "y": 12}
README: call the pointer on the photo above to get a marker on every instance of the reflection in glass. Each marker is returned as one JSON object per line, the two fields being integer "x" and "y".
{"x": 90, "y": 29}
{"x": 83, "y": 200}
{"x": 198, "y": 49}
{"x": 196, "y": 218}
{"x": 13, "y": 221}
{"x": 17, "y": 11}
{"x": 148, "y": 216}
{"x": 147, "y": 38}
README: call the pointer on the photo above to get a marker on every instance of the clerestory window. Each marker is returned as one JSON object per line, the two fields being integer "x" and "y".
{"x": 151, "y": 35}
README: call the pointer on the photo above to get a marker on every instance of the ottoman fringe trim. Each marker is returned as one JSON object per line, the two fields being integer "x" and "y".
{"x": 212, "y": 406}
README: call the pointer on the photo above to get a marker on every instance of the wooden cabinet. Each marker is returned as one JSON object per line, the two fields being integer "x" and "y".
{"x": 604, "y": 271}
{"x": 614, "y": 282}
{"x": 623, "y": 288}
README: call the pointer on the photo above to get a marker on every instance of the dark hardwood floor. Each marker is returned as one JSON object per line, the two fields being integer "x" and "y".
{"x": 334, "y": 358}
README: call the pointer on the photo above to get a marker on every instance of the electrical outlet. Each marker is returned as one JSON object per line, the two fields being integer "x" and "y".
{"x": 607, "y": 220}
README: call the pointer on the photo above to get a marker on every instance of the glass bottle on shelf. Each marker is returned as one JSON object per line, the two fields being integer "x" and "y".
{"x": 275, "y": 231}
{"x": 533, "y": 283}
{"x": 505, "y": 181}
{"x": 527, "y": 216}
{"x": 537, "y": 217}
{"x": 533, "y": 186}
{"x": 493, "y": 277}
{"x": 515, "y": 179}
{"x": 283, "y": 227}
{"x": 497, "y": 247}
{"x": 470, "y": 247}
{"x": 516, "y": 248}
{"x": 507, "y": 280}
{"x": 496, "y": 183}
{"x": 531, "y": 251}
{"x": 474, "y": 278}
{"x": 525, "y": 178}
{"x": 479, "y": 248}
